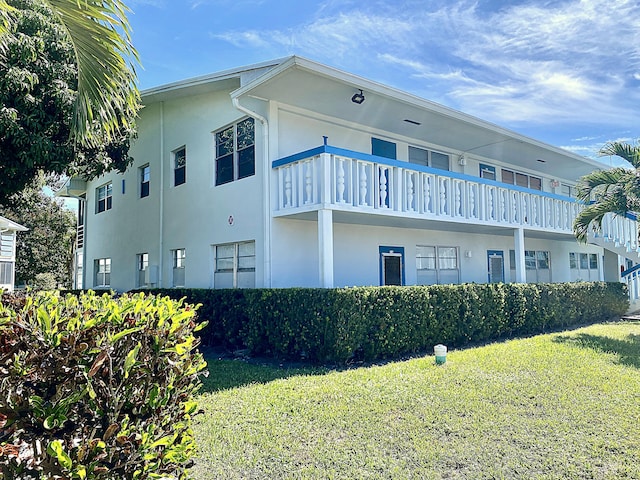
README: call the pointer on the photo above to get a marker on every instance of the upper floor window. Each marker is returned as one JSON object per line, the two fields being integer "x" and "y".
{"x": 235, "y": 152}
{"x": 103, "y": 197}
{"x": 6, "y": 244}
{"x": 179, "y": 166}
{"x": 102, "y": 269}
{"x": 568, "y": 190}
{"x": 145, "y": 173}
{"x": 428, "y": 158}
{"x": 487, "y": 171}
{"x": 383, "y": 148}
{"x": 521, "y": 179}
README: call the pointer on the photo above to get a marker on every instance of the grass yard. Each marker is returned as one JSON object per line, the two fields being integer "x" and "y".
{"x": 563, "y": 405}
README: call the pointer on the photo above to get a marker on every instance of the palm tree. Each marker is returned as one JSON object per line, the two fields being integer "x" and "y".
{"x": 616, "y": 190}
{"x": 108, "y": 98}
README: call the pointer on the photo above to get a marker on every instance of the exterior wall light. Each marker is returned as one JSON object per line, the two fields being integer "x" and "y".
{"x": 358, "y": 97}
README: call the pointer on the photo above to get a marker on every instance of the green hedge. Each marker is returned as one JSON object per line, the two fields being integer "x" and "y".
{"x": 95, "y": 387}
{"x": 367, "y": 323}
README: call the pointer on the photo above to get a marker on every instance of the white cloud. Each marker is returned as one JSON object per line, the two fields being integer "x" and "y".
{"x": 539, "y": 63}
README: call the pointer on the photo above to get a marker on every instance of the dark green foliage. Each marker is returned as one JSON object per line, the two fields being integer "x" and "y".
{"x": 94, "y": 387}
{"x": 38, "y": 88}
{"x": 44, "y": 252}
{"x": 368, "y": 323}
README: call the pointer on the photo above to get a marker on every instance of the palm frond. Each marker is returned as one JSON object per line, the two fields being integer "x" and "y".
{"x": 630, "y": 153}
{"x": 602, "y": 182}
{"x": 107, "y": 93}
{"x": 590, "y": 218}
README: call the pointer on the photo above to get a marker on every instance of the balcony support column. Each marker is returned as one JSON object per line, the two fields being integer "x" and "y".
{"x": 521, "y": 271}
{"x": 325, "y": 247}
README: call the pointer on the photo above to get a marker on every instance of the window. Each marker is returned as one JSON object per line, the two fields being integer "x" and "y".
{"x": 102, "y": 269}
{"x": 568, "y": 190}
{"x": 235, "y": 152}
{"x": 428, "y": 158}
{"x": 179, "y": 257}
{"x": 142, "y": 261}
{"x": 145, "y": 172}
{"x": 103, "y": 197}
{"x": 179, "y": 166}
{"x": 537, "y": 264}
{"x": 6, "y": 273}
{"x": 6, "y": 244}
{"x": 437, "y": 265}
{"x": 487, "y": 171}
{"x": 521, "y": 180}
{"x": 584, "y": 266}
{"x": 235, "y": 265}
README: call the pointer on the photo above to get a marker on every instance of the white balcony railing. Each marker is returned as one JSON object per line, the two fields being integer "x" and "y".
{"x": 328, "y": 177}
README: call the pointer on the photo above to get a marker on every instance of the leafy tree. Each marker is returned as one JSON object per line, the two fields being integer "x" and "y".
{"x": 616, "y": 190}
{"x": 46, "y": 114}
{"x": 46, "y": 250}
{"x": 100, "y": 34}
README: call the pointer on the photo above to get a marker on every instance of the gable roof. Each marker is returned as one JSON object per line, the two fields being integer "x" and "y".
{"x": 6, "y": 224}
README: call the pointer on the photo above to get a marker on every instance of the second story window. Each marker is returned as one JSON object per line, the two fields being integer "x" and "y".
{"x": 179, "y": 166}
{"x": 521, "y": 179}
{"x": 235, "y": 152}
{"x": 145, "y": 173}
{"x": 428, "y": 158}
{"x": 103, "y": 197}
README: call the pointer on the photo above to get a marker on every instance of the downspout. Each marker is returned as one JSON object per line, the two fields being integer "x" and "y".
{"x": 161, "y": 222}
{"x": 266, "y": 182}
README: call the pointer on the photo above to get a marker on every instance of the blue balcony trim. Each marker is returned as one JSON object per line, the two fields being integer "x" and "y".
{"x": 412, "y": 166}
{"x": 625, "y": 273}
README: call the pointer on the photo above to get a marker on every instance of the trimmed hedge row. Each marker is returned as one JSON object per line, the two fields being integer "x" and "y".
{"x": 94, "y": 387}
{"x": 368, "y": 323}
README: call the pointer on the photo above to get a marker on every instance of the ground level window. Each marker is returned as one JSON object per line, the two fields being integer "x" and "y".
{"x": 584, "y": 266}
{"x": 437, "y": 265}
{"x": 235, "y": 265}
{"x": 142, "y": 263}
{"x": 537, "y": 264}
{"x": 6, "y": 273}
{"x": 102, "y": 272}
{"x": 179, "y": 259}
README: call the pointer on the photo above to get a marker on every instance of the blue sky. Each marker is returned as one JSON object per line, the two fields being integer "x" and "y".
{"x": 564, "y": 72}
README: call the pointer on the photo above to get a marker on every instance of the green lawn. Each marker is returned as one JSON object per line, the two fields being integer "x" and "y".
{"x": 563, "y": 405}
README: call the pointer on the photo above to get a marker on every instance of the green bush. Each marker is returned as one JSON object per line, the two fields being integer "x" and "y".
{"x": 96, "y": 387}
{"x": 368, "y": 323}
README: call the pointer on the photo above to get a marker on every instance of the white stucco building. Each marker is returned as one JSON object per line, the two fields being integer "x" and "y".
{"x": 292, "y": 173}
{"x": 8, "y": 232}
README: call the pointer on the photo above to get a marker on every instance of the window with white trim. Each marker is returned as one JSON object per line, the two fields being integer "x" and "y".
{"x": 102, "y": 272}
{"x": 235, "y": 265}
{"x": 235, "y": 152}
{"x": 6, "y": 273}
{"x": 7, "y": 240}
{"x": 584, "y": 266}
{"x": 104, "y": 194}
{"x": 437, "y": 265}
{"x": 428, "y": 158}
{"x": 142, "y": 262}
{"x": 179, "y": 259}
{"x": 537, "y": 265}
{"x": 180, "y": 166}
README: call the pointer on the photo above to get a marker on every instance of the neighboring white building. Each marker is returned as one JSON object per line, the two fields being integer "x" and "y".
{"x": 292, "y": 173}
{"x": 8, "y": 232}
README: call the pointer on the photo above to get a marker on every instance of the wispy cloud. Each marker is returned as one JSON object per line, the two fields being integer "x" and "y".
{"x": 544, "y": 64}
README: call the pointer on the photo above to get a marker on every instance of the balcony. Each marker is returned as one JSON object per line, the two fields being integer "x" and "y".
{"x": 342, "y": 180}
